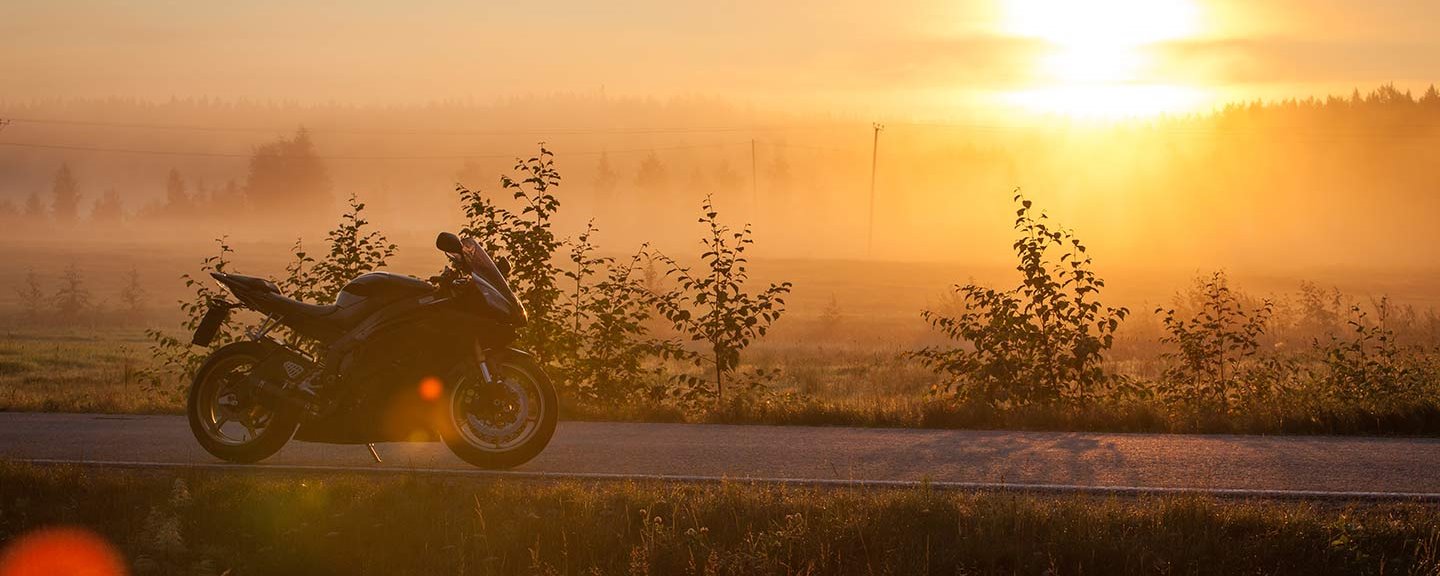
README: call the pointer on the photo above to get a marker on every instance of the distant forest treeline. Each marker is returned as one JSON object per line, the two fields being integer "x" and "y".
{"x": 1315, "y": 181}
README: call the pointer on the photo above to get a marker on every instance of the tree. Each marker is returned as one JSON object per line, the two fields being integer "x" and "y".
{"x": 66, "y": 195}
{"x": 132, "y": 294}
{"x": 32, "y": 296}
{"x": 108, "y": 209}
{"x": 229, "y": 199}
{"x": 712, "y": 306}
{"x": 73, "y": 298}
{"x": 527, "y": 240}
{"x": 178, "y": 203}
{"x": 35, "y": 208}
{"x": 605, "y": 179}
{"x": 726, "y": 177}
{"x": 354, "y": 250}
{"x": 287, "y": 178}
{"x": 1431, "y": 97}
{"x": 778, "y": 172}
{"x": 1042, "y": 342}
{"x": 652, "y": 176}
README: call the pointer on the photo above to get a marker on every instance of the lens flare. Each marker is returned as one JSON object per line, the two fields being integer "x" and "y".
{"x": 430, "y": 388}
{"x": 61, "y": 551}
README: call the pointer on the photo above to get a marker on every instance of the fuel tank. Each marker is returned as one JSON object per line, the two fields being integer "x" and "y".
{"x": 381, "y": 287}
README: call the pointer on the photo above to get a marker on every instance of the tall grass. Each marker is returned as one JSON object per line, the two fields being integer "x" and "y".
{"x": 193, "y": 522}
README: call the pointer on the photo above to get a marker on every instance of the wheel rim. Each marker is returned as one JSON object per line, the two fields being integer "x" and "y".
{"x": 501, "y": 416}
{"x": 229, "y": 412}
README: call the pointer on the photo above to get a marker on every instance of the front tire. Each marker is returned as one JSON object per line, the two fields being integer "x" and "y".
{"x": 230, "y": 421}
{"x": 502, "y": 424}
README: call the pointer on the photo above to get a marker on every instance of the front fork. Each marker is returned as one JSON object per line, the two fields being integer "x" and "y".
{"x": 482, "y": 359}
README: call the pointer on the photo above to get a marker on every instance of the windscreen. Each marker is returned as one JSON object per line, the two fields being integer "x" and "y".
{"x": 481, "y": 263}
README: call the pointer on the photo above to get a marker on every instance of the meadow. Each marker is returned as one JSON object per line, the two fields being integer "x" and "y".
{"x": 1039, "y": 340}
{"x": 839, "y": 357}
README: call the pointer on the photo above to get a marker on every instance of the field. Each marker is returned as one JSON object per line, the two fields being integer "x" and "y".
{"x": 203, "y": 523}
{"x": 837, "y": 357}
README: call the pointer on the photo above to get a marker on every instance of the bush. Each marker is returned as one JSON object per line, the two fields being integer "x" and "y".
{"x": 1213, "y": 340}
{"x": 525, "y": 239}
{"x": 611, "y": 353}
{"x": 712, "y": 306}
{"x": 590, "y": 333}
{"x": 1039, "y": 343}
{"x": 1369, "y": 366}
{"x": 354, "y": 250}
{"x": 173, "y": 360}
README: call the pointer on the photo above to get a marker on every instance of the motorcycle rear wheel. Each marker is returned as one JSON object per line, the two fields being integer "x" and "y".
{"x": 229, "y": 421}
{"x": 502, "y": 424}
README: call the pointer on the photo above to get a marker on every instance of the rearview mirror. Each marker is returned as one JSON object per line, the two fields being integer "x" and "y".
{"x": 504, "y": 266}
{"x": 448, "y": 243}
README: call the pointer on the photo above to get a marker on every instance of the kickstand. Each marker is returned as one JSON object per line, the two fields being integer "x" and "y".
{"x": 371, "y": 446}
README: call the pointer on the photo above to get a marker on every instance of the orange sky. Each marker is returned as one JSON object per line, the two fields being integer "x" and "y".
{"x": 911, "y": 57}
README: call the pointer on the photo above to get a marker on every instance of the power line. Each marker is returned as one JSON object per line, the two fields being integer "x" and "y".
{"x": 1416, "y": 131}
{"x": 819, "y": 148}
{"x": 437, "y": 157}
{"x": 420, "y": 132}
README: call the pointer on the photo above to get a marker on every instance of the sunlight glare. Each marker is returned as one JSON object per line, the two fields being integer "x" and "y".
{"x": 1110, "y": 102}
{"x": 1098, "y": 54}
{"x": 1102, "y": 22}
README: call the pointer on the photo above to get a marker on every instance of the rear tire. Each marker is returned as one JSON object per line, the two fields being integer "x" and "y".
{"x": 465, "y": 432}
{"x": 209, "y": 414}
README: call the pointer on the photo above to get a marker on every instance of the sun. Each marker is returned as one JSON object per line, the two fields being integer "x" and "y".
{"x": 1097, "y": 56}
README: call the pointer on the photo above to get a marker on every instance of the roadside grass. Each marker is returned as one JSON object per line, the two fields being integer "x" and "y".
{"x": 842, "y": 382}
{"x": 270, "y": 523}
{"x": 77, "y": 370}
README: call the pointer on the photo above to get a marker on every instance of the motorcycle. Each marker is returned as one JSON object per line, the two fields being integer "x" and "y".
{"x": 393, "y": 359}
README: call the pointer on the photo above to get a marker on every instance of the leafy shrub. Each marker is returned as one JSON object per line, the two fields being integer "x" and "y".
{"x": 712, "y": 306}
{"x": 591, "y": 331}
{"x": 1368, "y": 365}
{"x": 525, "y": 238}
{"x": 611, "y": 350}
{"x": 1212, "y": 340}
{"x": 72, "y": 299}
{"x": 32, "y": 296}
{"x": 1039, "y": 343}
{"x": 353, "y": 250}
{"x": 173, "y": 359}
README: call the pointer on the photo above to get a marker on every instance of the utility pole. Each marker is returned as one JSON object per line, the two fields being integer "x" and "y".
{"x": 754, "y": 186}
{"x": 874, "y": 154}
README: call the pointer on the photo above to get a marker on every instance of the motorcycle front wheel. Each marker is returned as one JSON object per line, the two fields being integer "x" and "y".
{"x": 503, "y": 423}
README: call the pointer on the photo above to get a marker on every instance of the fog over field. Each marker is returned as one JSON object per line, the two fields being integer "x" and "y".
{"x": 1280, "y": 141}
{"x": 1336, "y": 189}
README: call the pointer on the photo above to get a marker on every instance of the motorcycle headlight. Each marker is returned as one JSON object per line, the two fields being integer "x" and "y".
{"x": 492, "y": 297}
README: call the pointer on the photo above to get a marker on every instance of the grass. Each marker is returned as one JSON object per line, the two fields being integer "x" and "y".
{"x": 268, "y": 523}
{"x": 77, "y": 370}
{"x": 825, "y": 384}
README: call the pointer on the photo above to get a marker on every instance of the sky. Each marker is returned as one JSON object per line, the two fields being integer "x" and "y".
{"x": 909, "y": 57}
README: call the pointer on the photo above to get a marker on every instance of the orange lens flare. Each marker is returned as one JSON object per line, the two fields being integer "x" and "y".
{"x": 430, "y": 389}
{"x": 61, "y": 551}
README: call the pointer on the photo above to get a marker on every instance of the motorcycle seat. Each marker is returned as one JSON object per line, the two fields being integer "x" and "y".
{"x": 254, "y": 283}
{"x": 290, "y": 307}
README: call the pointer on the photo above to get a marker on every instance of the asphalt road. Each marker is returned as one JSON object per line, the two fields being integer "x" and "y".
{"x": 1021, "y": 460}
